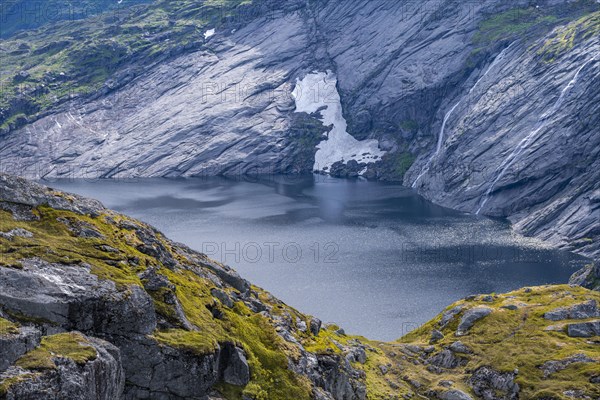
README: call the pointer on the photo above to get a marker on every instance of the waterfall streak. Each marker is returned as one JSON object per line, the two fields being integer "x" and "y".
{"x": 440, "y": 141}
{"x": 532, "y": 137}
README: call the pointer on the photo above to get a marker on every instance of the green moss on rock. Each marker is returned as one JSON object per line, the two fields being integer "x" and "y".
{"x": 73, "y": 346}
{"x": 534, "y": 22}
{"x": 566, "y": 37}
{"x": 52, "y": 241}
{"x": 6, "y": 384}
{"x": 7, "y": 327}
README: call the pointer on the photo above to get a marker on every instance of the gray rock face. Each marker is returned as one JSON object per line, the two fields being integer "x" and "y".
{"x": 315, "y": 326}
{"x": 384, "y": 54}
{"x": 588, "y": 277}
{"x": 75, "y": 299}
{"x": 447, "y": 359}
{"x": 449, "y": 315}
{"x": 342, "y": 381}
{"x": 98, "y": 379}
{"x": 358, "y": 354}
{"x": 226, "y": 109}
{"x": 550, "y": 367}
{"x": 15, "y": 345}
{"x": 223, "y": 297}
{"x": 460, "y": 347}
{"x": 455, "y": 395}
{"x": 436, "y": 336}
{"x": 21, "y": 193}
{"x": 589, "y": 309}
{"x": 584, "y": 329}
{"x": 237, "y": 371}
{"x": 524, "y": 145}
{"x": 159, "y": 285}
{"x": 470, "y": 317}
{"x": 16, "y": 233}
{"x": 493, "y": 385}
{"x": 155, "y": 371}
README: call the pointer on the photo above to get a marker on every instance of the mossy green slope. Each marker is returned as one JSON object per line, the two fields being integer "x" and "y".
{"x": 516, "y": 336}
{"x": 115, "y": 256}
{"x": 18, "y": 15}
{"x": 566, "y": 37}
{"x": 65, "y": 60}
{"x": 522, "y": 22}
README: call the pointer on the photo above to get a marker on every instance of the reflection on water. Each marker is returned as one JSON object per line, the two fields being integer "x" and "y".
{"x": 375, "y": 258}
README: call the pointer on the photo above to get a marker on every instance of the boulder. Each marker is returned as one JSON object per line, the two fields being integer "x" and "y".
{"x": 447, "y": 359}
{"x": 584, "y": 329}
{"x": 455, "y": 394}
{"x": 19, "y": 232}
{"x": 449, "y": 315}
{"x": 99, "y": 378}
{"x": 236, "y": 369}
{"x": 357, "y": 354}
{"x": 550, "y": 367}
{"x": 459, "y": 347}
{"x": 223, "y": 297}
{"x": 470, "y": 317}
{"x": 315, "y": 326}
{"x": 490, "y": 384}
{"x": 589, "y": 309}
{"x": 436, "y": 336}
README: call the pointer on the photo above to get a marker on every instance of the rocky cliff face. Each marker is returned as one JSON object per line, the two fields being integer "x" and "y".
{"x": 491, "y": 107}
{"x": 95, "y": 305}
{"x": 524, "y": 144}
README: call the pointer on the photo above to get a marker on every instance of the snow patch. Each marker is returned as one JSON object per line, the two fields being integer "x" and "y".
{"x": 209, "y": 33}
{"x": 318, "y": 92}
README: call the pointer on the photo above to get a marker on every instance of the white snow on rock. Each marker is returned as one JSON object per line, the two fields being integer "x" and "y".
{"x": 209, "y": 33}
{"x": 318, "y": 92}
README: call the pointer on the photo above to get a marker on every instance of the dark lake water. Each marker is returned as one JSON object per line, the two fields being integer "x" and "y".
{"x": 373, "y": 257}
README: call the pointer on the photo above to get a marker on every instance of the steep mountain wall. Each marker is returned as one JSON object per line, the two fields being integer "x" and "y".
{"x": 525, "y": 143}
{"x": 224, "y": 106}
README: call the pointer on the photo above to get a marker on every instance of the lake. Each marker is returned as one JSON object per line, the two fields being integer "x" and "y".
{"x": 373, "y": 257}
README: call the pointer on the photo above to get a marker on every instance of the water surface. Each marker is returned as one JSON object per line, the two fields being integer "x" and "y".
{"x": 375, "y": 258}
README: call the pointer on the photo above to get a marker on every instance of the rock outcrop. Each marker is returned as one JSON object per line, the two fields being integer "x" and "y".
{"x": 470, "y": 317}
{"x": 495, "y": 358}
{"x": 588, "y": 277}
{"x": 66, "y": 372}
